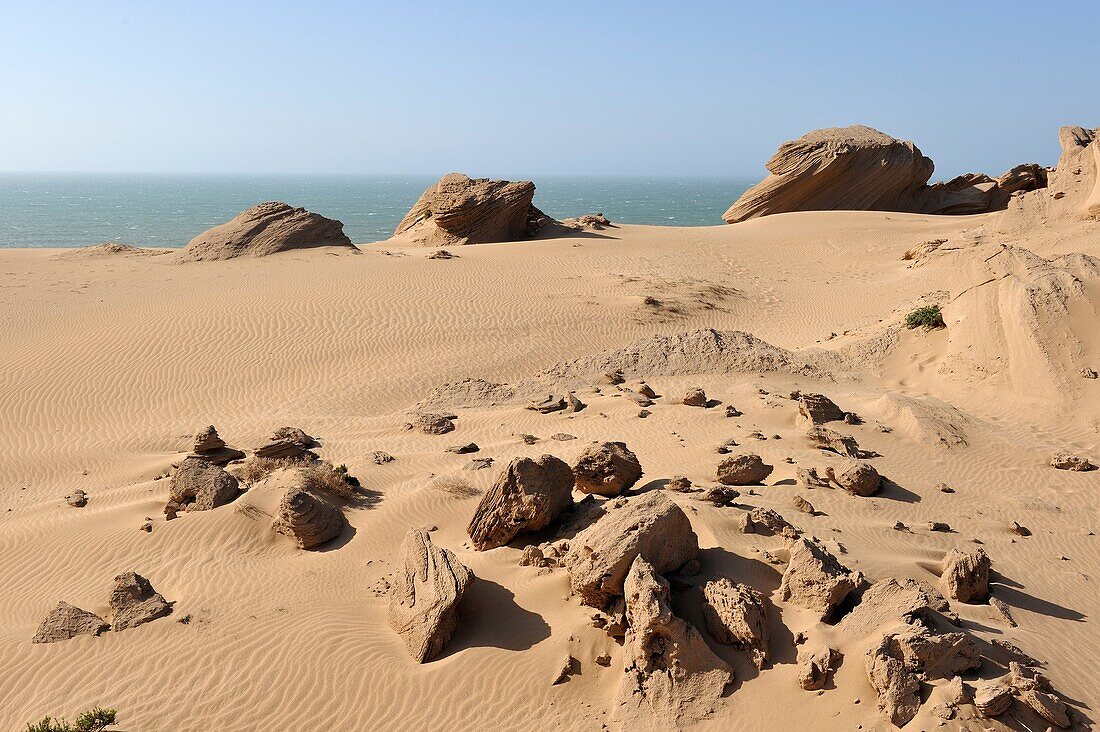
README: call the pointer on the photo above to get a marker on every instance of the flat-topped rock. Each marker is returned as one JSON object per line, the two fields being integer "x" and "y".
{"x": 212, "y": 448}
{"x": 266, "y": 229}
{"x": 288, "y": 443}
{"x": 462, "y": 210}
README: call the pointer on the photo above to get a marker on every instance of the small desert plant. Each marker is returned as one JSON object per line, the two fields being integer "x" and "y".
{"x": 256, "y": 469}
{"x": 454, "y": 485}
{"x": 93, "y": 720}
{"x": 928, "y": 316}
{"x": 321, "y": 475}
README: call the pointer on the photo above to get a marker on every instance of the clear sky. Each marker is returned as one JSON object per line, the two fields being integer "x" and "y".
{"x": 523, "y": 88}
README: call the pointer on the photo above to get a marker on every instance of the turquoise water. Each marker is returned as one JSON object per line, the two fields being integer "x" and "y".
{"x": 58, "y": 210}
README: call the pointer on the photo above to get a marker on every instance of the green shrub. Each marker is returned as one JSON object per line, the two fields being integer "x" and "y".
{"x": 93, "y": 720}
{"x": 929, "y": 316}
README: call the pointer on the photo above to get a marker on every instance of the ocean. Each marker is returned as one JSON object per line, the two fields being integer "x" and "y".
{"x": 72, "y": 210}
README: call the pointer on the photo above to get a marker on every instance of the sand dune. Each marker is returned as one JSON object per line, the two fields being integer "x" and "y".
{"x": 110, "y": 363}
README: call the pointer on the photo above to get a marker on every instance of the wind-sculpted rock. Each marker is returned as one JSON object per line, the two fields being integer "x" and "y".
{"x": 527, "y": 496}
{"x": 897, "y": 687}
{"x": 737, "y": 616}
{"x": 266, "y": 229}
{"x": 308, "y": 518}
{"x": 1069, "y": 461}
{"x": 819, "y": 409}
{"x": 212, "y": 448}
{"x": 746, "y": 469}
{"x": 891, "y": 600}
{"x": 695, "y": 397}
{"x": 134, "y": 602}
{"x": 824, "y": 438}
{"x": 650, "y": 525}
{"x": 462, "y": 210}
{"x": 672, "y": 678}
{"x": 966, "y": 575}
{"x": 428, "y": 586}
{"x": 432, "y": 424}
{"x": 814, "y": 578}
{"x": 288, "y": 443}
{"x": 857, "y": 477}
{"x": 607, "y": 469}
{"x": 200, "y": 486}
{"x": 815, "y": 668}
{"x": 66, "y": 621}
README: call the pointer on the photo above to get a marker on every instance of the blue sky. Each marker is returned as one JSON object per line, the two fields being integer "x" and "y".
{"x": 518, "y": 89}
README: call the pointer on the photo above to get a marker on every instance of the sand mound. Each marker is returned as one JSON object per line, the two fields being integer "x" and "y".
{"x": 266, "y": 229}
{"x": 110, "y": 249}
{"x": 926, "y": 420}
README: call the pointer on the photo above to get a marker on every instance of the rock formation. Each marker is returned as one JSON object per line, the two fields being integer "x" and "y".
{"x": 746, "y": 469}
{"x": 607, "y": 469}
{"x": 815, "y": 668}
{"x": 824, "y": 438}
{"x": 134, "y": 602}
{"x": 649, "y": 525}
{"x": 737, "y": 616}
{"x": 288, "y": 443}
{"x": 428, "y": 585}
{"x": 819, "y": 409}
{"x": 200, "y": 486}
{"x": 857, "y": 477}
{"x": 814, "y": 578}
{"x": 672, "y": 678}
{"x": 212, "y": 448}
{"x": 65, "y": 622}
{"x": 77, "y": 499}
{"x": 461, "y": 210}
{"x": 966, "y": 575}
{"x": 527, "y": 496}
{"x": 695, "y": 397}
{"x": 266, "y": 229}
{"x": 1077, "y": 175}
{"x": 308, "y": 518}
{"x": 1068, "y": 461}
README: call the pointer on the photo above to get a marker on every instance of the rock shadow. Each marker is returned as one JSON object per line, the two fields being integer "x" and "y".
{"x": 490, "y": 618}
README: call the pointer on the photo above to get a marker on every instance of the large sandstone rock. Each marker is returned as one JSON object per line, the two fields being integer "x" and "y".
{"x": 200, "y": 486}
{"x": 854, "y": 168}
{"x": 266, "y": 229}
{"x": 66, "y": 621}
{"x": 607, "y": 469}
{"x": 463, "y": 210}
{"x": 288, "y": 443}
{"x": 428, "y": 586}
{"x": 897, "y": 687}
{"x": 308, "y": 518}
{"x": 527, "y": 496}
{"x": 814, "y": 578}
{"x": 134, "y": 602}
{"x": 212, "y": 448}
{"x": 672, "y": 678}
{"x": 965, "y": 575}
{"x": 650, "y": 525}
{"x": 737, "y": 616}
{"x": 857, "y": 477}
{"x": 1077, "y": 175}
{"x": 746, "y": 469}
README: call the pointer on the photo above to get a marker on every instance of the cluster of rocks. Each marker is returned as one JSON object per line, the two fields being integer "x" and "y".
{"x": 132, "y": 602}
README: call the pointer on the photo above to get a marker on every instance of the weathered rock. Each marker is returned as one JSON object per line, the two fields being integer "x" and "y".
{"x": 288, "y": 443}
{"x": 66, "y": 621}
{"x": 607, "y": 469}
{"x": 134, "y": 602}
{"x": 746, "y": 469}
{"x": 428, "y": 585}
{"x": 212, "y": 448}
{"x": 1033, "y": 690}
{"x": 695, "y": 397}
{"x": 802, "y": 505}
{"x": 965, "y": 575}
{"x": 814, "y": 578}
{"x": 672, "y": 678}
{"x": 810, "y": 478}
{"x": 570, "y": 667}
{"x": 433, "y": 424}
{"x": 819, "y": 409}
{"x": 679, "y": 484}
{"x": 934, "y": 656}
{"x": 527, "y": 496}
{"x": 649, "y": 525}
{"x": 768, "y": 522}
{"x": 719, "y": 495}
{"x": 857, "y": 477}
{"x": 200, "y": 486}
{"x": 815, "y": 668}
{"x": 463, "y": 449}
{"x": 992, "y": 698}
{"x": 378, "y": 457}
{"x": 1022, "y": 178}
{"x": 1069, "y": 461}
{"x": 77, "y": 499}
{"x": 308, "y": 518}
{"x": 532, "y": 557}
{"x": 897, "y": 687}
{"x": 831, "y": 440}
{"x": 552, "y": 403}
{"x": 461, "y": 210}
{"x": 859, "y": 169}
{"x": 889, "y": 601}
{"x": 736, "y": 615}
{"x": 266, "y": 229}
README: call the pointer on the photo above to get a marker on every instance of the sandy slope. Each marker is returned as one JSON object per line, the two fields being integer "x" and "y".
{"x": 108, "y": 364}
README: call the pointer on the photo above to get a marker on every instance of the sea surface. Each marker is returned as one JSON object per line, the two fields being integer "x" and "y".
{"x": 72, "y": 210}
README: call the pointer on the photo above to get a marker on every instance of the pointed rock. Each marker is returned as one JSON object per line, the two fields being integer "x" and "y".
{"x": 66, "y": 621}
{"x": 527, "y": 496}
{"x": 134, "y": 602}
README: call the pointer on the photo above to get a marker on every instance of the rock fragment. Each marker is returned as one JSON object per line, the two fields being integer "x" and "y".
{"x": 965, "y": 575}
{"x": 736, "y": 615}
{"x": 607, "y": 469}
{"x": 134, "y": 602}
{"x": 527, "y": 496}
{"x": 66, "y": 621}
{"x": 744, "y": 469}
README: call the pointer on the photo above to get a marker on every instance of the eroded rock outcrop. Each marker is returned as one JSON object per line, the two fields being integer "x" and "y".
{"x": 212, "y": 448}
{"x": 428, "y": 586}
{"x": 66, "y": 621}
{"x": 461, "y": 210}
{"x": 266, "y": 229}
{"x": 737, "y": 616}
{"x": 308, "y": 518}
{"x": 607, "y": 469}
{"x": 650, "y": 525}
{"x": 815, "y": 668}
{"x": 966, "y": 575}
{"x": 288, "y": 443}
{"x": 672, "y": 678}
{"x": 814, "y": 578}
{"x": 134, "y": 602}
{"x": 856, "y": 477}
{"x": 527, "y": 496}
{"x": 200, "y": 486}
{"x": 745, "y": 469}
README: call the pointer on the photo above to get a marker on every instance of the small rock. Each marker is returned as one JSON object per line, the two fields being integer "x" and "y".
{"x": 695, "y": 397}
{"x": 679, "y": 484}
{"x": 732, "y": 411}
{"x": 745, "y": 469}
{"x": 606, "y": 469}
{"x": 939, "y": 526}
{"x": 77, "y": 499}
{"x": 562, "y": 437}
{"x": 944, "y": 488}
{"x": 966, "y": 575}
{"x": 1019, "y": 530}
{"x": 433, "y": 424}
{"x": 570, "y": 666}
{"x": 381, "y": 458}
{"x": 802, "y": 505}
{"x": 479, "y": 463}
{"x": 463, "y": 449}
{"x": 1069, "y": 461}
{"x": 66, "y": 621}
{"x": 134, "y": 602}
